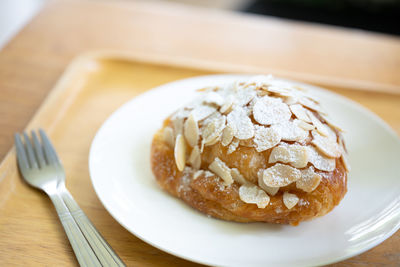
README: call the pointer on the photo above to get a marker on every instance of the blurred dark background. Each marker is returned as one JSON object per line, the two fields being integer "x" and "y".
{"x": 373, "y": 15}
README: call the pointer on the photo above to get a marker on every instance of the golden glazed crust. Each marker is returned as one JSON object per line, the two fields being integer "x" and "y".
{"x": 208, "y": 194}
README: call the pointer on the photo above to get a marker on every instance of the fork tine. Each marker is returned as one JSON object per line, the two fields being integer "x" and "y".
{"x": 38, "y": 150}
{"x": 49, "y": 151}
{"x": 29, "y": 149}
{"x": 21, "y": 154}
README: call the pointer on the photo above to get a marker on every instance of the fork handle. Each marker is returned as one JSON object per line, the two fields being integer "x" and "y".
{"x": 103, "y": 250}
{"x": 81, "y": 247}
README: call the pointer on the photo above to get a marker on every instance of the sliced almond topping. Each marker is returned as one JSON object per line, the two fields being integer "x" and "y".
{"x": 300, "y": 112}
{"x": 290, "y": 200}
{"x": 183, "y": 113}
{"x": 197, "y": 174}
{"x": 281, "y": 91}
{"x": 346, "y": 162}
{"x": 245, "y": 95}
{"x": 195, "y": 158}
{"x": 296, "y": 155}
{"x": 289, "y": 131}
{"x": 331, "y": 133}
{"x": 342, "y": 143}
{"x": 268, "y": 110}
{"x": 290, "y": 93}
{"x": 309, "y": 180}
{"x": 238, "y": 177}
{"x": 248, "y": 109}
{"x": 237, "y": 85}
{"x": 191, "y": 131}
{"x": 207, "y": 89}
{"x": 250, "y": 106}
{"x": 320, "y": 161}
{"x": 212, "y": 141}
{"x": 303, "y": 125}
{"x": 201, "y": 147}
{"x": 240, "y": 123}
{"x": 208, "y": 174}
{"x": 326, "y": 145}
{"x": 300, "y": 88}
{"x": 232, "y": 147}
{"x": 280, "y": 175}
{"x": 265, "y": 138}
{"x": 212, "y": 129}
{"x": 252, "y": 87}
{"x": 202, "y": 111}
{"x": 321, "y": 128}
{"x": 262, "y": 93}
{"x": 227, "y": 106}
{"x": 311, "y": 104}
{"x": 280, "y": 153}
{"x": 208, "y": 130}
{"x": 178, "y": 126}
{"x": 220, "y": 169}
{"x": 259, "y": 81}
{"x": 344, "y": 157}
{"x": 168, "y": 136}
{"x": 253, "y": 195}
{"x": 214, "y": 98}
{"x": 329, "y": 121}
{"x": 290, "y": 100}
{"x": 227, "y": 136}
{"x": 180, "y": 152}
{"x": 270, "y": 190}
{"x": 312, "y": 97}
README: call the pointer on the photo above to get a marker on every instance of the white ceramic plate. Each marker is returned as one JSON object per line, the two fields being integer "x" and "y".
{"x": 120, "y": 171}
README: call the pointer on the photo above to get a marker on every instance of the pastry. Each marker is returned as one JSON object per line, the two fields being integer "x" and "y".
{"x": 256, "y": 150}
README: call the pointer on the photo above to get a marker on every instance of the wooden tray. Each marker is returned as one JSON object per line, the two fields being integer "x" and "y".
{"x": 92, "y": 87}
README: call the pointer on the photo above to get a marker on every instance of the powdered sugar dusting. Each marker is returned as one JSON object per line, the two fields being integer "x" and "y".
{"x": 326, "y": 145}
{"x": 232, "y": 147}
{"x": 238, "y": 177}
{"x": 320, "y": 161}
{"x": 300, "y": 112}
{"x": 296, "y": 155}
{"x": 309, "y": 180}
{"x": 245, "y": 95}
{"x": 240, "y": 123}
{"x": 289, "y": 131}
{"x": 202, "y": 111}
{"x": 290, "y": 200}
{"x": 269, "y": 110}
{"x": 265, "y": 138}
{"x": 280, "y": 175}
{"x": 270, "y": 190}
{"x": 321, "y": 128}
{"x": 214, "y": 98}
{"x": 222, "y": 170}
{"x": 253, "y": 195}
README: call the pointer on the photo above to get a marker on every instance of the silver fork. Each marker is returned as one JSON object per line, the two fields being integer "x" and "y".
{"x": 41, "y": 168}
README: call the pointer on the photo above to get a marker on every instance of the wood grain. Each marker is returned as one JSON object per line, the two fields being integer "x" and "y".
{"x": 360, "y": 65}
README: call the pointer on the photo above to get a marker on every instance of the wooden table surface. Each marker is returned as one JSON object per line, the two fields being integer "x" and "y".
{"x": 354, "y": 60}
